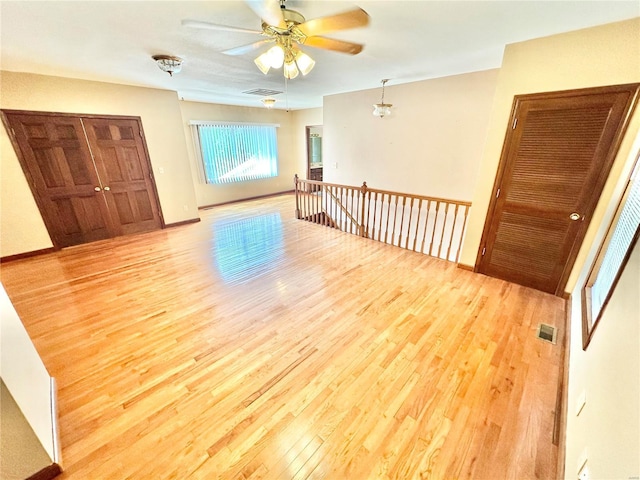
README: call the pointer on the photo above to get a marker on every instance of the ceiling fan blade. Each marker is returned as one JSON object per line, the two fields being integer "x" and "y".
{"x": 335, "y": 45}
{"x": 269, "y": 11}
{"x": 215, "y": 26}
{"x": 248, "y": 48}
{"x": 342, "y": 21}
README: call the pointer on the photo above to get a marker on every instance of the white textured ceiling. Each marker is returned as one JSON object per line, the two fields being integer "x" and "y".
{"x": 113, "y": 41}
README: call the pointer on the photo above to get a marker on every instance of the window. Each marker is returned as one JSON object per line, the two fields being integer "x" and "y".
{"x": 612, "y": 257}
{"x": 237, "y": 152}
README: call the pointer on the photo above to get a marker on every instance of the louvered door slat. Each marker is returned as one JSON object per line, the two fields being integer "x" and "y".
{"x": 554, "y": 164}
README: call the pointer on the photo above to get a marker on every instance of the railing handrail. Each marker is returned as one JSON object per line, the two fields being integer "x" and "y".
{"x": 430, "y": 225}
{"x": 464, "y": 203}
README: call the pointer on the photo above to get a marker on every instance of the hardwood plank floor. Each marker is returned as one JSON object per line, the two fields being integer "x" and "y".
{"x": 253, "y": 345}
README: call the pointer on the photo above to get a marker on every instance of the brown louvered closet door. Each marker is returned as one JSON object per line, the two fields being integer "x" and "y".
{"x": 557, "y": 155}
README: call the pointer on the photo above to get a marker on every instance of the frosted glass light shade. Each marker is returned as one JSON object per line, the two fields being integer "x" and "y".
{"x": 305, "y": 62}
{"x": 263, "y": 63}
{"x": 382, "y": 109}
{"x": 290, "y": 70}
{"x": 276, "y": 56}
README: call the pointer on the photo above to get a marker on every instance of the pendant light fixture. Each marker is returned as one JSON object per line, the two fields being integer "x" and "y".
{"x": 382, "y": 109}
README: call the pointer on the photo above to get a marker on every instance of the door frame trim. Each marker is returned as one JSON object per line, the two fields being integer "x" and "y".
{"x": 16, "y": 147}
{"x": 634, "y": 91}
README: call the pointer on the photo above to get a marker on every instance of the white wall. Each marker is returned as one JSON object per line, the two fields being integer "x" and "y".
{"x": 431, "y": 144}
{"x": 21, "y": 226}
{"x": 604, "y": 55}
{"x": 25, "y": 375}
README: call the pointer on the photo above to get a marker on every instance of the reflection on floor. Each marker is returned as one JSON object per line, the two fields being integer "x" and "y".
{"x": 244, "y": 249}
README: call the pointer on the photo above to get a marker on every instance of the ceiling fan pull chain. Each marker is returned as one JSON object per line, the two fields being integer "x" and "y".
{"x": 286, "y": 93}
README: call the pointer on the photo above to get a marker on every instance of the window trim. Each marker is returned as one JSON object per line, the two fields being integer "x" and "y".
{"x": 197, "y": 145}
{"x": 589, "y": 323}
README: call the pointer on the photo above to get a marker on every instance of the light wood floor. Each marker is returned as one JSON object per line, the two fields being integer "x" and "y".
{"x": 253, "y": 345}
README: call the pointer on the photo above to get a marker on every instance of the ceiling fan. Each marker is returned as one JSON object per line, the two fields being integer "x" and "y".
{"x": 288, "y": 30}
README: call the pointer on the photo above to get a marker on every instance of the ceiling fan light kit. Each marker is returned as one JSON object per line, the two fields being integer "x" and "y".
{"x": 382, "y": 109}
{"x": 168, "y": 63}
{"x": 294, "y": 60}
{"x": 289, "y": 29}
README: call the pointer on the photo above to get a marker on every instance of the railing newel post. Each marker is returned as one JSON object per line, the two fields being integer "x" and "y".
{"x": 363, "y": 192}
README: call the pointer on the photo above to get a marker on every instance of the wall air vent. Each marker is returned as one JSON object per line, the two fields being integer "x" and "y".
{"x": 262, "y": 92}
{"x": 547, "y": 333}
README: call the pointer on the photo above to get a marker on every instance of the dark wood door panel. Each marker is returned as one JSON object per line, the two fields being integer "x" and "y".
{"x": 57, "y": 151}
{"x": 82, "y": 219}
{"x": 555, "y": 161}
{"x": 125, "y": 173}
{"x": 57, "y": 163}
{"x": 90, "y": 176}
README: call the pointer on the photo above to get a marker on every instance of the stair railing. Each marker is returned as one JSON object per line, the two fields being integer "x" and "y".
{"x": 430, "y": 225}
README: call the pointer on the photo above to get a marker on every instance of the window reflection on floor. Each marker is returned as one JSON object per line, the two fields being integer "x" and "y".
{"x": 249, "y": 247}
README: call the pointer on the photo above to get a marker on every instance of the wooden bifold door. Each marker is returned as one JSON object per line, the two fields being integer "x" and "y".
{"x": 90, "y": 175}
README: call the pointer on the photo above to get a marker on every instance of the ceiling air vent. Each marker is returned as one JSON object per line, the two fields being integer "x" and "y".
{"x": 262, "y": 92}
{"x": 547, "y": 333}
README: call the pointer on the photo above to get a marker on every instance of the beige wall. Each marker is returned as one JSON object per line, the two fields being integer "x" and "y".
{"x": 607, "y": 431}
{"x": 289, "y": 156}
{"x": 431, "y": 144}
{"x": 21, "y": 226}
{"x": 25, "y": 375}
{"x": 605, "y": 55}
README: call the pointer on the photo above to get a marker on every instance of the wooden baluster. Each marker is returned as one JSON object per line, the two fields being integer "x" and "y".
{"x": 333, "y": 204}
{"x": 395, "y": 217}
{"x": 375, "y": 210}
{"x": 433, "y": 232}
{"x": 415, "y": 238}
{"x": 297, "y": 190}
{"x": 406, "y": 242}
{"x": 367, "y": 209}
{"x": 319, "y": 204}
{"x": 306, "y": 201}
{"x": 404, "y": 200}
{"x": 315, "y": 204}
{"x": 464, "y": 226}
{"x": 386, "y": 228}
{"x": 453, "y": 227}
{"x": 353, "y": 210}
{"x": 444, "y": 224}
{"x": 312, "y": 204}
{"x": 426, "y": 225}
{"x": 340, "y": 210}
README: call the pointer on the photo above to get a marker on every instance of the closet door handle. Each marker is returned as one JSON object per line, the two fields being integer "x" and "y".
{"x": 97, "y": 189}
{"x": 106, "y": 189}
